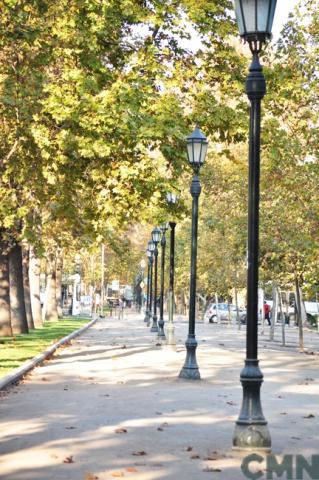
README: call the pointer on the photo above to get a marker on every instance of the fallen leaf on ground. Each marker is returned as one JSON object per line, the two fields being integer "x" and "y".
{"x": 231, "y": 403}
{"x": 70, "y": 428}
{"x": 221, "y": 344}
{"x": 158, "y": 344}
{"x": 194, "y": 457}
{"x": 211, "y": 469}
{"x": 157, "y": 465}
{"x": 120, "y": 430}
{"x": 117, "y": 474}
{"x": 160, "y": 429}
{"x": 283, "y": 413}
{"x": 131, "y": 469}
{"x": 68, "y": 459}
{"x": 296, "y": 438}
{"x": 90, "y": 476}
{"x": 120, "y": 382}
{"x": 211, "y": 458}
{"x": 140, "y": 464}
{"x": 158, "y": 413}
{"x": 123, "y": 346}
{"x": 311, "y": 415}
{"x": 189, "y": 449}
{"x": 139, "y": 454}
{"x": 44, "y": 379}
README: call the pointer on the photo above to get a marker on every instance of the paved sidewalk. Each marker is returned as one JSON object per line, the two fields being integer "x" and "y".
{"x": 111, "y": 405}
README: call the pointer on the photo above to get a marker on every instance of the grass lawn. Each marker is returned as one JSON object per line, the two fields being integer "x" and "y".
{"x": 17, "y": 349}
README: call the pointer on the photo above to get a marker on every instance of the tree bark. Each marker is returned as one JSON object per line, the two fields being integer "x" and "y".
{"x": 18, "y": 314}
{"x": 274, "y": 313}
{"x": 282, "y": 316}
{"x": 299, "y": 317}
{"x": 34, "y": 280}
{"x": 59, "y": 267}
{"x": 26, "y": 285}
{"x": 52, "y": 308}
{"x": 5, "y": 312}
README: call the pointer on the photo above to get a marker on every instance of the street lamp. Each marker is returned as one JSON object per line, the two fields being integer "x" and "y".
{"x": 254, "y": 18}
{"x": 156, "y": 235}
{"x": 197, "y": 145}
{"x": 150, "y": 254}
{"x": 142, "y": 265}
{"x": 161, "y": 333}
{"x": 172, "y": 199}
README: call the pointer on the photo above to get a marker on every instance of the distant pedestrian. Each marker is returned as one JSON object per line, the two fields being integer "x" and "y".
{"x": 267, "y": 312}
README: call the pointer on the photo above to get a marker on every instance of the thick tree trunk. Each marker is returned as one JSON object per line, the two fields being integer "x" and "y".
{"x": 34, "y": 279}
{"x": 59, "y": 267}
{"x": 5, "y": 312}
{"x": 18, "y": 314}
{"x": 26, "y": 285}
{"x": 52, "y": 309}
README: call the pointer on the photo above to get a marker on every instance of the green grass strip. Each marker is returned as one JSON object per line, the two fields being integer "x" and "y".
{"x": 17, "y": 349}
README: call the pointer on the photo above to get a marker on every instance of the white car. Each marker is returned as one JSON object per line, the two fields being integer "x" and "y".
{"x": 219, "y": 312}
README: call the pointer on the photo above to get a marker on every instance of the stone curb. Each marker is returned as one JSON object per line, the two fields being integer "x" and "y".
{"x": 19, "y": 372}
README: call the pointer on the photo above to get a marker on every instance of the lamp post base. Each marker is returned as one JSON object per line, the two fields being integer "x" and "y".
{"x": 190, "y": 369}
{"x": 154, "y": 327}
{"x": 161, "y": 333}
{"x": 251, "y": 430}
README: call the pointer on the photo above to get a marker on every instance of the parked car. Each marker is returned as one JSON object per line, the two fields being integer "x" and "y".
{"x": 216, "y": 313}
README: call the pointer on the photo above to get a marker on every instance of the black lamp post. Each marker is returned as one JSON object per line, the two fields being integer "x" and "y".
{"x": 254, "y": 18}
{"x": 197, "y": 145}
{"x": 161, "y": 333}
{"x": 150, "y": 254}
{"x": 172, "y": 199}
{"x": 156, "y": 235}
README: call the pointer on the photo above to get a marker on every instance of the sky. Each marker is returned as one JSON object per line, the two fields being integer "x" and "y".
{"x": 284, "y": 7}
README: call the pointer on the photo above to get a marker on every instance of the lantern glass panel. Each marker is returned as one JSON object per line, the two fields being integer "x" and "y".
{"x": 151, "y": 246}
{"x": 156, "y": 235}
{"x": 249, "y": 10}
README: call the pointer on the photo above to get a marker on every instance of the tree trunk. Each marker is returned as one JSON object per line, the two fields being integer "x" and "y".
{"x": 52, "y": 309}
{"x": 18, "y": 314}
{"x": 59, "y": 267}
{"x": 26, "y": 285}
{"x": 282, "y": 316}
{"x": 274, "y": 313}
{"x": 299, "y": 318}
{"x": 237, "y": 310}
{"x": 5, "y": 312}
{"x": 34, "y": 280}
